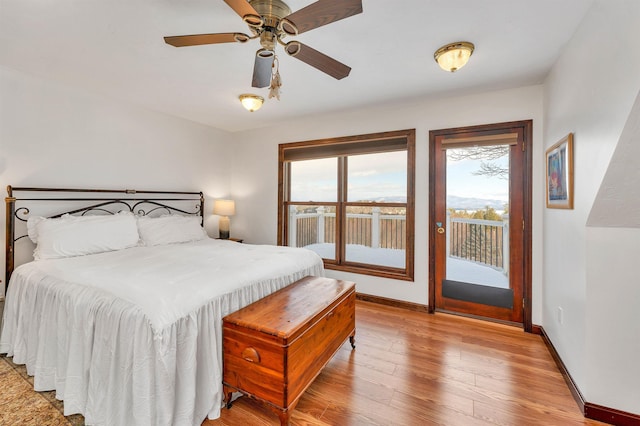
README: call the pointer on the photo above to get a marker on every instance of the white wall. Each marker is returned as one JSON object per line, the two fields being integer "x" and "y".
{"x": 56, "y": 136}
{"x": 613, "y": 329}
{"x": 255, "y": 179}
{"x": 613, "y": 249}
{"x": 590, "y": 92}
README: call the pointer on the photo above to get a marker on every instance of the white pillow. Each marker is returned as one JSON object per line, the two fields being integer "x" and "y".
{"x": 170, "y": 229}
{"x": 80, "y": 235}
{"x": 32, "y": 227}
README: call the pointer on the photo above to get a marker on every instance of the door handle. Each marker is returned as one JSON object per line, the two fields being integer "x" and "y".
{"x": 440, "y": 230}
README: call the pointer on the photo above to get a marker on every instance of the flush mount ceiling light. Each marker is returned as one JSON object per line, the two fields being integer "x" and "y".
{"x": 251, "y": 102}
{"x": 454, "y": 56}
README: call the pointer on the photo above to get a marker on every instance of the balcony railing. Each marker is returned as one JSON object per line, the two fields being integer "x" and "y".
{"x": 480, "y": 241}
{"x": 372, "y": 230}
{"x": 476, "y": 240}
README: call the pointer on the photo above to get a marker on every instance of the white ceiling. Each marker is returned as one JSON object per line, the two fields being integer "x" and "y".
{"x": 115, "y": 48}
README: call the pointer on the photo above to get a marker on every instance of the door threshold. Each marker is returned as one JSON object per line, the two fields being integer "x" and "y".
{"x": 480, "y": 318}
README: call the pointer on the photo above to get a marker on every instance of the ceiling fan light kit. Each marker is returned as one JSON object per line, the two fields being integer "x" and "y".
{"x": 454, "y": 56}
{"x": 271, "y": 21}
{"x": 251, "y": 102}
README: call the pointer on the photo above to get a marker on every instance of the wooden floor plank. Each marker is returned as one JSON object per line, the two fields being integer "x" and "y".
{"x": 412, "y": 368}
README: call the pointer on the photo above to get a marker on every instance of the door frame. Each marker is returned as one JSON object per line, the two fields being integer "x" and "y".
{"x": 527, "y": 130}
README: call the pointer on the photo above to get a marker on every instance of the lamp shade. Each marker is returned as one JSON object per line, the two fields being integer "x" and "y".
{"x": 454, "y": 56}
{"x": 224, "y": 207}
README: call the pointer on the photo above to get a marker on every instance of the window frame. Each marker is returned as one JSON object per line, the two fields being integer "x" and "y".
{"x": 340, "y": 148}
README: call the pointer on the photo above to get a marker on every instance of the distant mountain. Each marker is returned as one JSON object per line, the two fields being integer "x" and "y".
{"x": 455, "y": 202}
{"x": 391, "y": 199}
{"x": 463, "y": 203}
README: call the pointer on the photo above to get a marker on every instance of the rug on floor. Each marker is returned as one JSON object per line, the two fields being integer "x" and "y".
{"x": 21, "y": 405}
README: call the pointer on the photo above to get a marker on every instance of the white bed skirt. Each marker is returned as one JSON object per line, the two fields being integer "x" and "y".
{"x": 107, "y": 361}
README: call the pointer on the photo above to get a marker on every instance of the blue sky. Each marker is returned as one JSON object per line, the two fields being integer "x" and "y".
{"x": 462, "y": 183}
{"x": 371, "y": 176}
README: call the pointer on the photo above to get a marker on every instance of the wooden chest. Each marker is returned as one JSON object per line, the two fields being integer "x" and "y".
{"x": 274, "y": 348}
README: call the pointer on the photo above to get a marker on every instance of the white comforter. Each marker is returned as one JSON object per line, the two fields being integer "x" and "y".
{"x": 135, "y": 336}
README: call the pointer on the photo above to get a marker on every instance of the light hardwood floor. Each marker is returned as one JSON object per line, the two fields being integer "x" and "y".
{"x": 413, "y": 368}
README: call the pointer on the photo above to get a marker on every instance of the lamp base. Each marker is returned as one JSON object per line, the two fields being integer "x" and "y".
{"x": 223, "y": 227}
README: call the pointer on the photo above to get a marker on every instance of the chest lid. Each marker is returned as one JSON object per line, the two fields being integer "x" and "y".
{"x": 289, "y": 311}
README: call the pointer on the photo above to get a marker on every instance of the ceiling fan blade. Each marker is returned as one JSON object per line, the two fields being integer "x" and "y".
{"x": 262, "y": 71}
{"x": 318, "y": 60}
{"x": 323, "y": 12}
{"x": 242, "y": 7}
{"x": 198, "y": 39}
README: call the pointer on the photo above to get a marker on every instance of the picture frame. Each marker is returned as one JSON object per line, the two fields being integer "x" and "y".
{"x": 559, "y": 174}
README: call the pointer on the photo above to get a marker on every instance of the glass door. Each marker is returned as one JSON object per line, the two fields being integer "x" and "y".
{"x": 478, "y": 231}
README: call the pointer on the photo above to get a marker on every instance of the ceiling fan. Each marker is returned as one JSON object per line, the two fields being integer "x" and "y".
{"x": 271, "y": 21}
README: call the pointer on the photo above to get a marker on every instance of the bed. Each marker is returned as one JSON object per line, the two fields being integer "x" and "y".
{"x": 130, "y": 333}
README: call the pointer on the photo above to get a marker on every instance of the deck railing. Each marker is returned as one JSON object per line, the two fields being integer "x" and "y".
{"x": 375, "y": 230}
{"x": 478, "y": 240}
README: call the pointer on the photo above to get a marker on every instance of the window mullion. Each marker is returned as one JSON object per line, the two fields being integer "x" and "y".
{"x": 341, "y": 220}
{"x": 287, "y": 181}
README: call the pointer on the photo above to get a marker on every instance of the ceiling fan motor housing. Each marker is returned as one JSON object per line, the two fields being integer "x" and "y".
{"x": 271, "y": 14}
{"x": 273, "y": 10}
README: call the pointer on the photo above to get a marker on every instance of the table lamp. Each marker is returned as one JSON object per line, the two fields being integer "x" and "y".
{"x": 224, "y": 208}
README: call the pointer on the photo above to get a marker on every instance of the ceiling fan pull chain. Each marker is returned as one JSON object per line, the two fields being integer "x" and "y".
{"x": 276, "y": 82}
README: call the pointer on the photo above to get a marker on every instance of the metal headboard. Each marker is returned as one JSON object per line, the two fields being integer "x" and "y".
{"x": 139, "y": 202}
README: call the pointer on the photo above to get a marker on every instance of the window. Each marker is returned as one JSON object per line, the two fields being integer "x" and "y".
{"x": 351, "y": 200}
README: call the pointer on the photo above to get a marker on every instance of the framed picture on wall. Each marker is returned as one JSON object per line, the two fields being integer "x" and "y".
{"x": 560, "y": 174}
